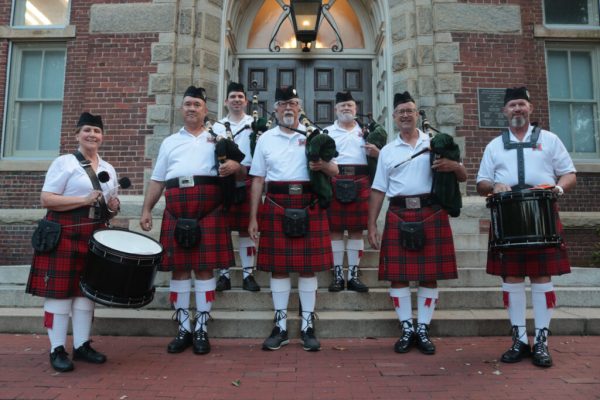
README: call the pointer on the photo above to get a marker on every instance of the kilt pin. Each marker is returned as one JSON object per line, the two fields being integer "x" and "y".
{"x": 214, "y": 249}
{"x": 435, "y": 261}
{"x": 238, "y": 215}
{"x": 279, "y": 253}
{"x": 533, "y": 262}
{"x": 350, "y": 216}
{"x": 56, "y": 274}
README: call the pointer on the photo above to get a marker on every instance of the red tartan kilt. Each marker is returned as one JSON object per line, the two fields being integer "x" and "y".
{"x": 214, "y": 249}
{"x": 435, "y": 261}
{"x": 532, "y": 262}
{"x": 350, "y": 216}
{"x": 56, "y": 274}
{"x": 279, "y": 253}
{"x": 238, "y": 215}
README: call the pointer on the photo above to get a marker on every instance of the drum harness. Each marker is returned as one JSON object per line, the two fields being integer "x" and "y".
{"x": 520, "y": 156}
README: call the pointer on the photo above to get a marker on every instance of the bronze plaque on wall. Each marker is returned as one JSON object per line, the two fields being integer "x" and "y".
{"x": 490, "y": 103}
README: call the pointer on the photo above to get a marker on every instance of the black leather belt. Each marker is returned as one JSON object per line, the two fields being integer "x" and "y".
{"x": 412, "y": 202}
{"x": 191, "y": 181}
{"x": 288, "y": 188}
{"x": 353, "y": 169}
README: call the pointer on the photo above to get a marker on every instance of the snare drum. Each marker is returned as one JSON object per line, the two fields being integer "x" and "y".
{"x": 523, "y": 219}
{"x": 120, "y": 269}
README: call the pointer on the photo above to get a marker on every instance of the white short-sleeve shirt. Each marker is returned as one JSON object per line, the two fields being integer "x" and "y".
{"x": 68, "y": 178}
{"x": 280, "y": 156}
{"x": 183, "y": 154}
{"x": 242, "y": 138}
{"x": 543, "y": 164}
{"x": 411, "y": 178}
{"x": 349, "y": 144}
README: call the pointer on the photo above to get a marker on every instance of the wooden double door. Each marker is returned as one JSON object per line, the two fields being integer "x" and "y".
{"x": 317, "y": 82}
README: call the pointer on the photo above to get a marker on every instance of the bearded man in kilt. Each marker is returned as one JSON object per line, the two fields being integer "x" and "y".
{"x": 194, "y": 230}
{"x": 523, "y": 157}
{"x": 294, "y": 232}
{"x": 350, "y": 204}
{"x": 417, "y": 240}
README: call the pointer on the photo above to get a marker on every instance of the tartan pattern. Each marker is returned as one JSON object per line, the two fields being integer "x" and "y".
{"x": 534, "y": 262}
{"x": 56, "y": 274}
{"x": 238, "y": 215}
{"x": 435, "y": 261}
{"x": 350, "y": 216}
{"x": 279, "y": 253}
{"x": 214, "y": 249}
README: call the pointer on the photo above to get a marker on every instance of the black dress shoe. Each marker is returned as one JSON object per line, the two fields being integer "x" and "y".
{"x": 223, "y": 283}
{"x": 541, "y": 356}
{"x": 182, "y": 341}
{"x": 407, "y": 339}
{"x": 85, "y": 352}
{"x": 337, "y": 285}
{"x": 423, "y": 342}
{"x": 201, "y": 343}
{"x": 516, "y": 353}
{"x": 249, "y": 284}
{"x": 277, "y": 339}
{"x": 59, "y": 359}
{"x": 355, "y": 284}
{"x": 309, "y": 340}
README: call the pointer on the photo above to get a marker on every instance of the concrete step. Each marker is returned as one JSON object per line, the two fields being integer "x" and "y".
{"x": 467, "y": 277}
{"x": 376, "y": 300}
{"x": 355, "y": 324}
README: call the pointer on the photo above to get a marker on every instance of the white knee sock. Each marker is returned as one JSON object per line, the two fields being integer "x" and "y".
{"x": 354, "y": 249}
{"x": 82, "y": 316}
{"x": 307, "y": 290}
{"x": 180, "y": 298}
{"x": 402, "y": 303}
{"x": 247, "y": 253}
{"x": 516, "y": 303}
{"x": 337, "y": 248}
{"x": 56, "y": 320}
{"x": 426, "y": 300}
{"x": 205, "y": 296}
{"x": 543, "y": 299}
{"x": 280, "y": 291}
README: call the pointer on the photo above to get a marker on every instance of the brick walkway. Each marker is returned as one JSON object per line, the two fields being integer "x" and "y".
{"x": 140, "y": 368}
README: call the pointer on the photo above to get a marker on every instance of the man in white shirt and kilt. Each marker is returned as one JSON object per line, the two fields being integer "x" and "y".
{"x": 240, "y": 125}
{"x": 194, "y": 230}
{"x": 294, "y": 232}
{"x": 417, "y": 242}
{"x": 525, "y": 156}
{"x": 350, "y": 204}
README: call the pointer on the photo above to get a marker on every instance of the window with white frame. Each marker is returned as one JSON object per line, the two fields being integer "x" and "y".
{"x": 35, "y": 99}
{"x": 571, "y": 12}
{"x": 46, "y": 13}
{"x": 573, "y": 95}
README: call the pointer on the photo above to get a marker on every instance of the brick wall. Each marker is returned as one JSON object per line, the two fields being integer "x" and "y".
{"x": 15, "y": 244}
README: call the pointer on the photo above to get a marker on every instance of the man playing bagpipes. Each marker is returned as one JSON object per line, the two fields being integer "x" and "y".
{"x": 238, "y": 125}
{"x": 294, "y": 232}
{"x": 417, "y": 242}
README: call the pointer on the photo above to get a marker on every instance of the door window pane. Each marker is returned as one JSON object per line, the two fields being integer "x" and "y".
{"x": 41, "y": 13}
{"x": 34, "y": 111}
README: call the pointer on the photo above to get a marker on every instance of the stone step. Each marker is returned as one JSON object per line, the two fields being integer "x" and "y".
{"x": 330, "y": 324}
{"x": 376, "y": 300}
{"x": 467, "y": 277}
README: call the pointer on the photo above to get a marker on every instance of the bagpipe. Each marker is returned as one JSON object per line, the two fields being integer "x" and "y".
{"x": 226, "y": 149}
{"x": 444, "y": 186}
{"x": 259, "y": 124}
{"x": 375, "y": 134}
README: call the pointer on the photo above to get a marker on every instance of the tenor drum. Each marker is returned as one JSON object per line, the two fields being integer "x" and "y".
{"x": 120, "y": 269}
{"x": 521, "y": 219}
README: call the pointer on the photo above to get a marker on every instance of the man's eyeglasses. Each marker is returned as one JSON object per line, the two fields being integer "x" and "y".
{"x": 405, "y": 111}
{"x": 291, "y": 103}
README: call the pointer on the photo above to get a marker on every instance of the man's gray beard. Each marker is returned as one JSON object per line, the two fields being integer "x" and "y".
{"x": 288, "y": 120}
{"x": 518, "y": 122}
{"x": 345, "y": 118}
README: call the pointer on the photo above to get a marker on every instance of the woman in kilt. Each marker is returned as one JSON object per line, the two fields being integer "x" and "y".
{"x": 417, "y": 240}
{"x": 72, "y": 202}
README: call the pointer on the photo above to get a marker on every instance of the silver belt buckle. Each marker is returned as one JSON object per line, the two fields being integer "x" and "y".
{"x": 295, "y": 188}
{"x": 186, "y": 181}
{"x": 413, "y": 202}
{"x": 348, "y": 171}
